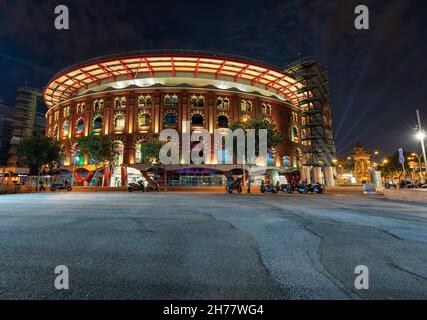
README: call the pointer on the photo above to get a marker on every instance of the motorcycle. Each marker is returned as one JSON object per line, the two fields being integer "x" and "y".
{"x": 284, "y": 187}
{"x": 66, "y": 185}
{"x": 152, "y": 187}
{"x": 316, "y": 188}
{"x": 267, "y": 188}
{"x": 136, "y": 186}
{"x": 234, "y": 185}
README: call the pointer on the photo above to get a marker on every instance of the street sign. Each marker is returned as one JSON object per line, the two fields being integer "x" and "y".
{"x": 401, "y": 156}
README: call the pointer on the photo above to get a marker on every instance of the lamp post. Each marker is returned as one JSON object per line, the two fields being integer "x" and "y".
{"x": 421, "y": 136}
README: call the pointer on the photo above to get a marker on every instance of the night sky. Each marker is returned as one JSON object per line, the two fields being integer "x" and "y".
{"x": 377, "y": 77}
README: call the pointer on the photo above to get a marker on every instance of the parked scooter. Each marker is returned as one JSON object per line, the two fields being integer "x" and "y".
{"x": 284, "y": 187}
{"x": 152, "y": 187}
{"x": 316, "y": 188}
{"x": 66, "y": 185}
{"x": 268, "y": 188}
{"x": 234, "y": 184}
{"x": 139, "y": 186}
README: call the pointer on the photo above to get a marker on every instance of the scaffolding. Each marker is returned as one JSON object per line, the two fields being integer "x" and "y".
{"x": 317, "y": 133}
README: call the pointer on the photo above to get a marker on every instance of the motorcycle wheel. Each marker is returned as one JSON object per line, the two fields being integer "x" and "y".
{"x": 69, "y": 189}
{"x": 274, "y": 190}
{"x": 229, "y": 190}
{"x": 239, "y": 189}
{"x": 52, "y": 189}
{"x": 130, "y": 189}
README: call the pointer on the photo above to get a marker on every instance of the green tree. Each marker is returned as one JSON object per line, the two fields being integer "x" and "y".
{"x": 38, "y": 151}
{"x": 150, "y": 150}
{"x": 393, "y": 168}
{"x": 274, "y": 138}
{"x": 100, "y": 149}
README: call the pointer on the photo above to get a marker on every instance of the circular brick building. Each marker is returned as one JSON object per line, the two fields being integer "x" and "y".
{"x": 132, "y": 97}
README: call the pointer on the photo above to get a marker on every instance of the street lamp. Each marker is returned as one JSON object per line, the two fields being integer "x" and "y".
{"x": 421, "y": 136}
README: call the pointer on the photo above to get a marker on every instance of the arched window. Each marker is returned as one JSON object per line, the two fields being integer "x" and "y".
{"x": 219, "y": 103}
{"x": 79, "y": 126}
{"x": 225, "y": 104}
{"x": 167, "y": 100}
{"x": 97, "y": 123}
{"x": 119, "y": 122}
{"x": 197, "y": 120}
{"x": 174, "y": 100}
{"x": 222, "y": 121}
{"x": 268, "y": 109}
{"x": 65, "y": 128}
{"x": 170, "y": 119}
{"x": 263, "y": 108}
{"x": 144, "y": 120}
{"x": 201, "y": 101}
{"x": 249, "y": 106}
{"x": 294, "y": 134}
{"x": 141, "y": 100}
{"x": 286, "y": 162}
{"x": 148, "y": 100}
{"x": 243, "y": 105}
{"x": 193, "y": 101}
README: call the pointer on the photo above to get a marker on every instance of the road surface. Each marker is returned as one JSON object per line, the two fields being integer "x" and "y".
{"x": 119, "y": 245}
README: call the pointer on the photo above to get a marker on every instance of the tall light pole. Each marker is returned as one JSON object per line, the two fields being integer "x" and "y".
{"x": 421, "y": 136}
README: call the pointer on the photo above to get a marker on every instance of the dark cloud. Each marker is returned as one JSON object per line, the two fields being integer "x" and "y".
{"x": 376, "y": 76}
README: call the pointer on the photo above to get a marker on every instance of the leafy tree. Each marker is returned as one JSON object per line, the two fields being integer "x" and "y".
{"x": 274, "y": 138}
{"x": 38, "y": 151}
{"x": 393, "y": 167}
{"x": 100, "y": 149}
{"x": 150, "y": 150}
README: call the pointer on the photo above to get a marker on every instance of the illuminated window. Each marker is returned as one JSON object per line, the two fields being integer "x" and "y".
{"x": 197, "y": 101}
{"x": 66, "y": 112}
{"x": 144, "y": 119}
{"x": 148, "y": 100}
{"x": 295, "y": 134}
{"x": 80, "y": 108}
{"x": 65, "y": 128}
{"x": 222, "y": 103}
{"x": 141, "y": 100}
{"x": 243, "y": 105}
{"x": 120, "y": 102}
{"x": 98, "y": 104}
{"x": 119, "y": 122}
{"x": 167, "y": 100}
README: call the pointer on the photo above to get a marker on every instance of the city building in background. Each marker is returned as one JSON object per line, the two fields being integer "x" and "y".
{"x": 133, "y": 97}
{"x": 28, "y": 119}
{"x": 6, "y": 120}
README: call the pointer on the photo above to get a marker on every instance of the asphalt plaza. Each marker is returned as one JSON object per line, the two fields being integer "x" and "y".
{"x": 120, "y": 245}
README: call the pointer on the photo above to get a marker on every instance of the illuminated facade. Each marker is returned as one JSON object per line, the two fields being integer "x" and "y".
{"x": 133, "y": 97}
